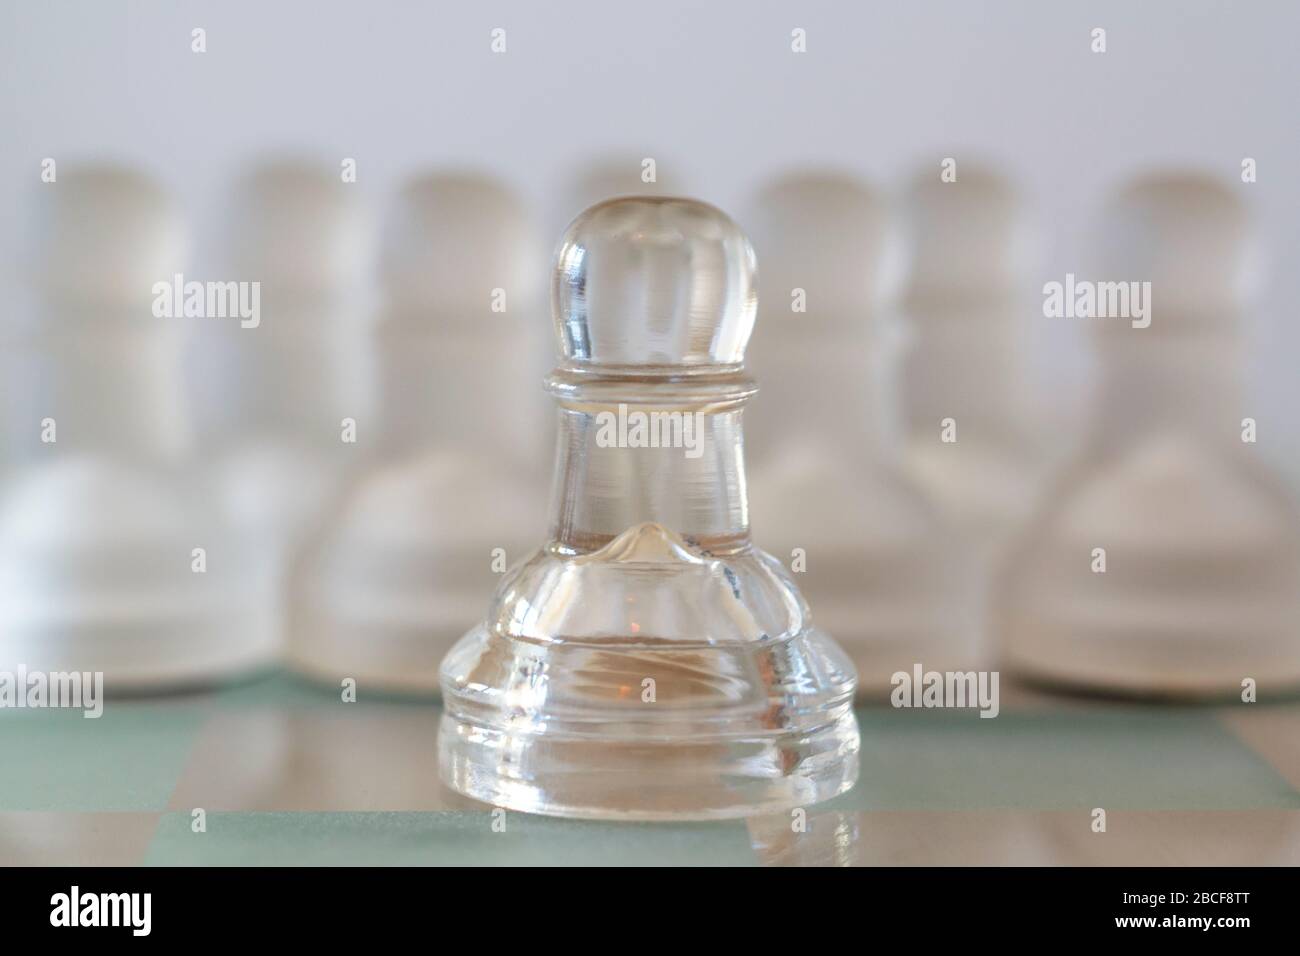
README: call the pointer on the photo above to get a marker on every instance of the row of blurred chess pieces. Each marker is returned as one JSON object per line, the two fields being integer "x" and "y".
{"x": 335, "y": 478}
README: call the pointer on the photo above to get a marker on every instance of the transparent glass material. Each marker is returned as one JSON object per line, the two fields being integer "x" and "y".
{"x": 649, "y": 662}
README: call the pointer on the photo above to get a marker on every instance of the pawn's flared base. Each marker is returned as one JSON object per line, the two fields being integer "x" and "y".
{"x": 756, "y": 729}
{"x": 654, "y": 780}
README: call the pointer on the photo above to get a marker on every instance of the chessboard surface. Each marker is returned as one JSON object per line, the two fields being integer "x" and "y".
{"x": 287, "y": 773}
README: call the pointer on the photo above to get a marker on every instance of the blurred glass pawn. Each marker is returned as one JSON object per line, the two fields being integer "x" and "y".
{"x": 964, "y": 358}
{"x": 971, "y": 434}
{"x": 1167, "y": 561}
{"x": 400, "y": 566}
{"x": 277, "y": 389}
{"x": 864, "y": 542}
{"x": 112, "y": 557}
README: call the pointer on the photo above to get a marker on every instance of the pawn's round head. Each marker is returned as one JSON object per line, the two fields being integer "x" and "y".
{"x": 450, "y": 241}
{"x": 967, "y": 238}
{"x": 103, "y": 234}
{"x": 1189, "y": 235}
{"x": 296, "y": 227}
{"x": 649, "y": 281}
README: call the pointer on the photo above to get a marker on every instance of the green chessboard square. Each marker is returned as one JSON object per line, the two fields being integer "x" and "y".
{"x": 441, "y": 839}
{"x": 127, "y": 759}
{"x": 1148, "y": 758}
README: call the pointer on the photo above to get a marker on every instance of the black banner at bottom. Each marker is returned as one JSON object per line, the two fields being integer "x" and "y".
{"x": 337, "y": 904}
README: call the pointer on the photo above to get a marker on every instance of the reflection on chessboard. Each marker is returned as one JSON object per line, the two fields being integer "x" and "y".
{"x": 285, "y": 774}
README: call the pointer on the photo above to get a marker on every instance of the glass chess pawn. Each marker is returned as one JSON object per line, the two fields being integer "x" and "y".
{"x": 113, "y": 557}
{"x": 396, "y": 571}
{"x": 648, "y": 661}
{"x": 1167, "y": 560}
